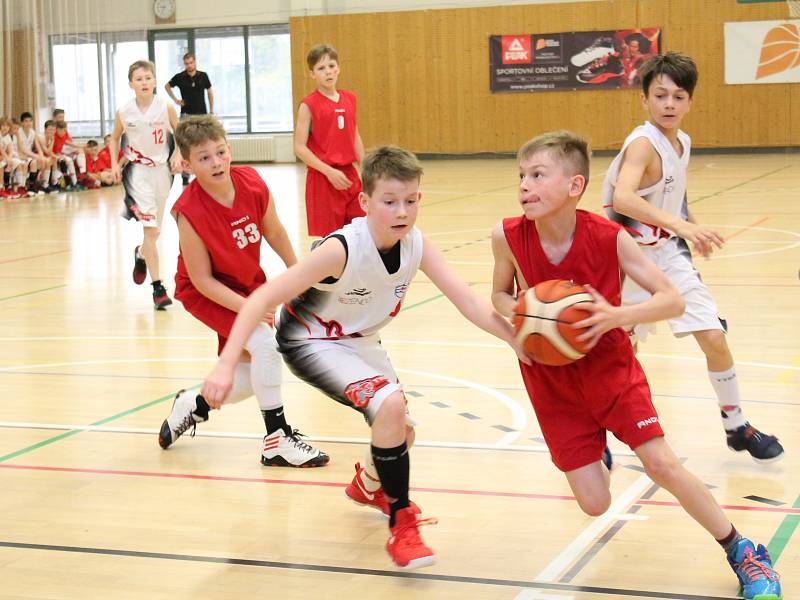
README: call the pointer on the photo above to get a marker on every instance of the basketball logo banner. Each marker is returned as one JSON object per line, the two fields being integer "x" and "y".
{"x": 762, "y": 52}
{"x": 571, "y": 60}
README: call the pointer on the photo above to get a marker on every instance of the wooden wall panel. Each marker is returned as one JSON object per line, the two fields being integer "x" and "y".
{"x": 422, "y": 77}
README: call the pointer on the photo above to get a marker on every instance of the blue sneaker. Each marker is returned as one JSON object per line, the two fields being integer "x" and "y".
{"x": 753, "y": 567}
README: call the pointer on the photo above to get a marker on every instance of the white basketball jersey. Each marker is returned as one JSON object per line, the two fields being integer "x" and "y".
{"x": 667, "y": 194}
{"x": 147, "y": 133}
{"x": 9, "y": 144}
{"x": 364, "y": 299}
{"x": 26, "y": 139}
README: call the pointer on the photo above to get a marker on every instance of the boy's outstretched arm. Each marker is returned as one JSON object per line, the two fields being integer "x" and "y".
{"x": 504, "y": 272}
{"x": 665, "y": 302}
{"x": 467, "y": 302}
{"x": 639, "y": 157}
{"x": 326, "y": 260}
{"x": 174, "y": 161}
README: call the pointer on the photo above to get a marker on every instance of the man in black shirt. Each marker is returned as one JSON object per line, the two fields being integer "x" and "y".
{"x": 193, "y": 85}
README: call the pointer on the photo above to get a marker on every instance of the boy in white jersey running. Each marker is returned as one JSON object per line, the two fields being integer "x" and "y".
{"x": 645, "y": 189}
{"x": 148, "y": 122}
{"x": 339, "y": 297}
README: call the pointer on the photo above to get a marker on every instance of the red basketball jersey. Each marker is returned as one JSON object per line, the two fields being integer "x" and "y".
{"x": 592, "y": 258}
{"x": 332, "y": 138}
{"x": 606, "y": 390}
{"x": 232, "y": 236}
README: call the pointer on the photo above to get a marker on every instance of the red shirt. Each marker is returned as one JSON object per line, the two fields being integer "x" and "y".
{"x": 232, "y": 236}
{"x": 332, "y": 137}
{"x": 101, "y": 163}
{"x": 60, "y": 140}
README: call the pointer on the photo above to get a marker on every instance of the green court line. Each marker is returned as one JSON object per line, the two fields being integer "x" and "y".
{"x": 431, "y": 299}
{"x": 55, "y": 287}
{"x": 733, "y": 187}
{"x": 72, "y": 432}
{"x": 785, "y": 530}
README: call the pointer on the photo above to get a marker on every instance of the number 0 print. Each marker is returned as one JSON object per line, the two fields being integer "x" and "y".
{"x": 340, "y": 121}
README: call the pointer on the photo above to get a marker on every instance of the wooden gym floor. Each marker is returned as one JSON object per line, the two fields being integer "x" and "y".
{"x": 93, "y": 508}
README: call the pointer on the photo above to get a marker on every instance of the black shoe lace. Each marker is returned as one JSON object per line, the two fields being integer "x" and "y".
{"x": 188, "y": 421}
{"x": 298, "y": 443}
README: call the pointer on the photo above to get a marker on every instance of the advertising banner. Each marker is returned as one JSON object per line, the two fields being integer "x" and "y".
{"x": 762, "y": 52}
{"x": 571, "y": 60}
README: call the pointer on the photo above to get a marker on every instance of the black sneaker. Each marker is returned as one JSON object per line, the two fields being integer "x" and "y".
{"x": 139, "y": 267}
{"x": 188, "y": 409}
{"x": 763, "y": 448}
{"x": 160, "y": 298}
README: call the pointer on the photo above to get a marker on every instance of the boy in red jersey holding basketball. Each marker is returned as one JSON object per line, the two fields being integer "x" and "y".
{"x": 333, "y": 343}
{"x": 326, "y": 139}
{"x": 645, "y": 190}
{"x": 606, "y": 390}
{"x": 222, "y": 217}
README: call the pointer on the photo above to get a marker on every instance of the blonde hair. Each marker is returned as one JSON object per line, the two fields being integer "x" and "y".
{"x": 389, "y": 162}
{"x": 141, "y": 64}
{"x": 197, "y": 130}
{"x": 567, "y": 148}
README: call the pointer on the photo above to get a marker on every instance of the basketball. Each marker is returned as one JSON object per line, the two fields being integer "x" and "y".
{"x": 543, "y": 321}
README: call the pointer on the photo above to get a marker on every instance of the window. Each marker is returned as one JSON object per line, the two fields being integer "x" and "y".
{"x": 118, "y": 51}
{"x": 270, "y": 79}
{"x": 220, "y": 53}
{"x": 249, "y": 68}
{"x": 76, "y": 78}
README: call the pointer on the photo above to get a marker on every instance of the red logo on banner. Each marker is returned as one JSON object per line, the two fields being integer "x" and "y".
{"x": 516, "y": 49}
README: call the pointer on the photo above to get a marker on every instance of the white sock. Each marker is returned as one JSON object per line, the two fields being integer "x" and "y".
{"x": 726, "y": 387}
{"x": 369, "y": 476}
{"x": 265, "y": 368}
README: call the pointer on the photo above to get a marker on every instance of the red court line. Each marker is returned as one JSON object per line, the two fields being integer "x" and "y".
{"x": 3, "y": 262}
{"x": 488, "y": 493}
{"x": 743, "y": 229}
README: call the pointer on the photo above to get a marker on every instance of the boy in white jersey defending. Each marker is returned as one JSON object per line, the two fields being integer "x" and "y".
{"x": 333, "y": 343}
{"x": 645, "y": 190}
{"x": 222, "y": 216}
{"x": 148, "y": 122}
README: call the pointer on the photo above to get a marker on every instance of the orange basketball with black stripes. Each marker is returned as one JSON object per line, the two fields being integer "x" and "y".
{"x": 543, "y": 321}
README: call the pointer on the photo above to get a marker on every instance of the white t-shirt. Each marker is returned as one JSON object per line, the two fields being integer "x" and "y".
{"x": 667, "y": 194}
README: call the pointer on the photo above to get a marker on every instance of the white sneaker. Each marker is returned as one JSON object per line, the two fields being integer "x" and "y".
{"x": 188, "y": 409}
{"x": 600, "y": 48}
{"x": 281, "y": 450}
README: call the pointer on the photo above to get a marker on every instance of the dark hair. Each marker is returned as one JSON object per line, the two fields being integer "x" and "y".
{"x": 26, "y": 115}
{"x": 197, "y": 130}
{"x": 49, "y": 122}
{"x": 91, "y": 144}
{"x": 388, "y": 162}
{"x": 318, "y": 52}
{"x": 679, "y": 67}
{"x": 189, "y": 55}
{"x": 57, "y": 111}
{"x": 569, "y": 149}
{"x": 60, "y": 124}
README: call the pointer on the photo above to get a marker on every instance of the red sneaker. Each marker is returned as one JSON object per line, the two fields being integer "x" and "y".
{"x": 356, "y": 492}
{"x": 406, "y": 548}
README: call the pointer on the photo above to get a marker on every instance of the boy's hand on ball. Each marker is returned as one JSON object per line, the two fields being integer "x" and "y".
{"x": 604, "y": 317}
